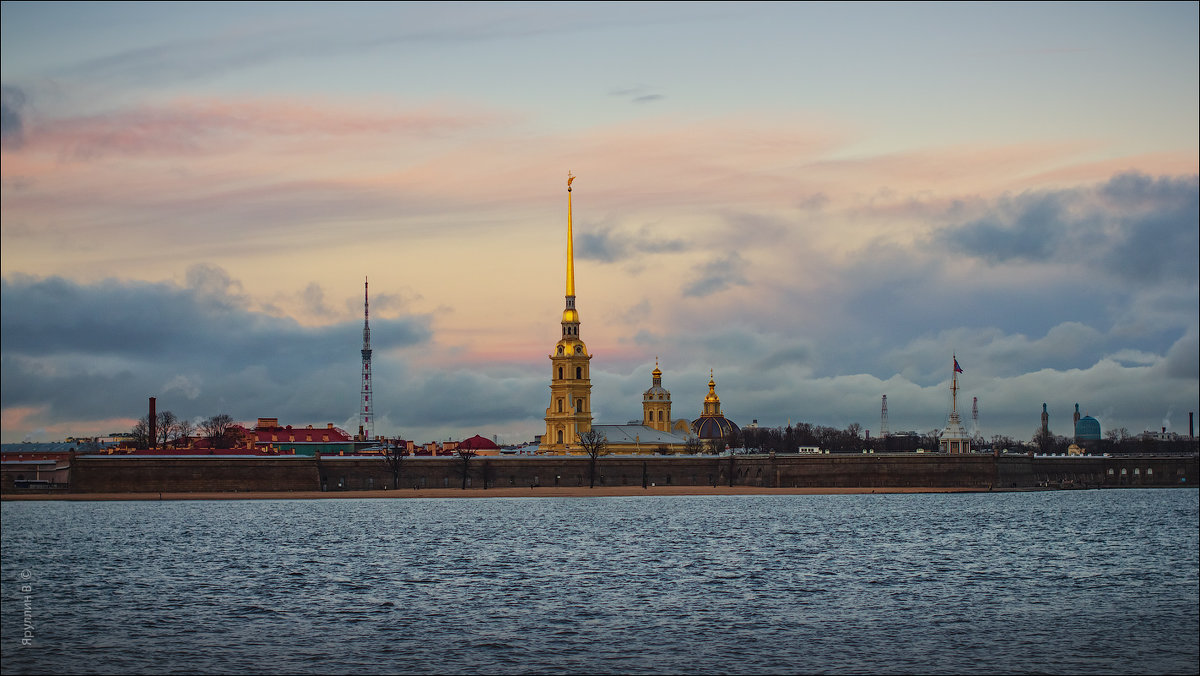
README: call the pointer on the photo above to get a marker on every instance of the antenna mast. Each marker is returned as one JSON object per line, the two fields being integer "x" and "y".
{"x": 975, "y": 415}
{"x": 883, "y": 421}
{"x": 364, "y": 414}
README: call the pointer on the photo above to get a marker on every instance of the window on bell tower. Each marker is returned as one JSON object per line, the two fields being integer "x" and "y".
{"x": 578, "y": 373}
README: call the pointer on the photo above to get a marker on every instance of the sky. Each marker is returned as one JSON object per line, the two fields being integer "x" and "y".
{"x": 819, "y": 204}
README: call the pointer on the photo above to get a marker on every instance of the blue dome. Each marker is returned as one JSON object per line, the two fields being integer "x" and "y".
{"x": 714, "y": 427}
{"x": 1087, "y": 429}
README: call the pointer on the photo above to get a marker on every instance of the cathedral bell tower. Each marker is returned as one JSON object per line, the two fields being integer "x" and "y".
{"x": 570, "y": 410}
{"x": 656, "y": 403}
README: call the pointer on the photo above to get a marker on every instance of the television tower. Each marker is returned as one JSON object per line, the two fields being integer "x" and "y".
{"x": 883, "y": 426}
{"x": 975, "y": 416}
{"x": 364, "y": 414}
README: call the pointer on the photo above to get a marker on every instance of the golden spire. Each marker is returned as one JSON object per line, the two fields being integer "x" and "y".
{"x": 570, "y": 242}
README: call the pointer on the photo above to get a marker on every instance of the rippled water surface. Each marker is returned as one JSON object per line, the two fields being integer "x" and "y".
{"x": 1055, "y": 582}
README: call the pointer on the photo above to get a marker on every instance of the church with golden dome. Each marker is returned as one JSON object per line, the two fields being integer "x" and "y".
{"x": 569, "y": 414}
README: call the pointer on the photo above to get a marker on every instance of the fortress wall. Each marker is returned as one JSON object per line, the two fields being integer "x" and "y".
{"x": 201, "y": 474}
{"x": 167, "y": 474}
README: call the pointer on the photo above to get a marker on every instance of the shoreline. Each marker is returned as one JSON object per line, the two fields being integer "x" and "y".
{"x": 505, "y": 492}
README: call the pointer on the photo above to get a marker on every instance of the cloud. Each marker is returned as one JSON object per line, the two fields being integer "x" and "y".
{"x": 608, "y": 245}
{"x": 717, "y": 275}
{"x": 192, "y": 128}
{"x": 1134, "y": 226}
{"x": 12, "y": 125}
{"x": 94, "y": 351}
{"x": 639, "y": 94}
{"x": 12, "y": 111}
{"x": 1183, "y": 359}
{"x": 601, "y": 245}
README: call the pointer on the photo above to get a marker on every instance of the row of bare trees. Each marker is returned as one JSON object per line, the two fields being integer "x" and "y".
{"x": 393, "y": 459}
{"x": 170, "y": 430}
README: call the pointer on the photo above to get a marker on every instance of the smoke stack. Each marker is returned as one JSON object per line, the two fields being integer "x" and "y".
{"x": 153, "y": 424}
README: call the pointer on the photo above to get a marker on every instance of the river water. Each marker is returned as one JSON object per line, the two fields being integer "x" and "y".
{"x": 1047, "y": 582}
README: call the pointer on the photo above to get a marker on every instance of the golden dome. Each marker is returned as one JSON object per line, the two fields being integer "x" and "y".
{"x": 571, "y": 315}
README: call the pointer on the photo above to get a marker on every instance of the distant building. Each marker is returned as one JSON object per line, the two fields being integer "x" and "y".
{"x": 481, "y": 445}
{"x": 309, "y": 440}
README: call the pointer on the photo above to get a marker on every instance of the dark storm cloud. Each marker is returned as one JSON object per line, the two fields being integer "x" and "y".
{"x": 1135, "y": 226}
{"x": 87, "y": 351}
{"x": 12, "y": 110}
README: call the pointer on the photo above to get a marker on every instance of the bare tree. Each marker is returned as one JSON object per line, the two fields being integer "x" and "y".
{"x": 1043, "y": 440}
{"x": 168, "y": 425}
{"x": 218, "y": 430}
{"x": 595, "y": 444}
{"x": 393, "y": 457}
{"x": 1117, "y": 435}
{"x": 141, "y": 433}
{"x": 693, "y": 446}
{"x": 1003, "y": 442}
{"x": 735, "y": 439}
{"x": 183, "y": 432}
{"x": 465, "y": 455}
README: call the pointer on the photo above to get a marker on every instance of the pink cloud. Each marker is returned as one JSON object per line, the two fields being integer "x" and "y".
{"x": 198, "y": 127}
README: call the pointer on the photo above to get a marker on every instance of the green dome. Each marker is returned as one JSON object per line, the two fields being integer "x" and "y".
{"x": 1087, "y": 429}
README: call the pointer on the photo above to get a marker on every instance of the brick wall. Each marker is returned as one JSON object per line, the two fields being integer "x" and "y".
{"x": 166, "y": 474}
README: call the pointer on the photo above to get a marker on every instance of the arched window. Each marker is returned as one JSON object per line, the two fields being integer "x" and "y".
{"x": 579, "y": 406}
{"x": 560, "y": 409}
{"x": 560, "y": 349}
{"x": 660, "y": 416}
{"x": 560, "y": 436}
{"x": 578, "y": 373}
{"x": 560, "y": 371}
